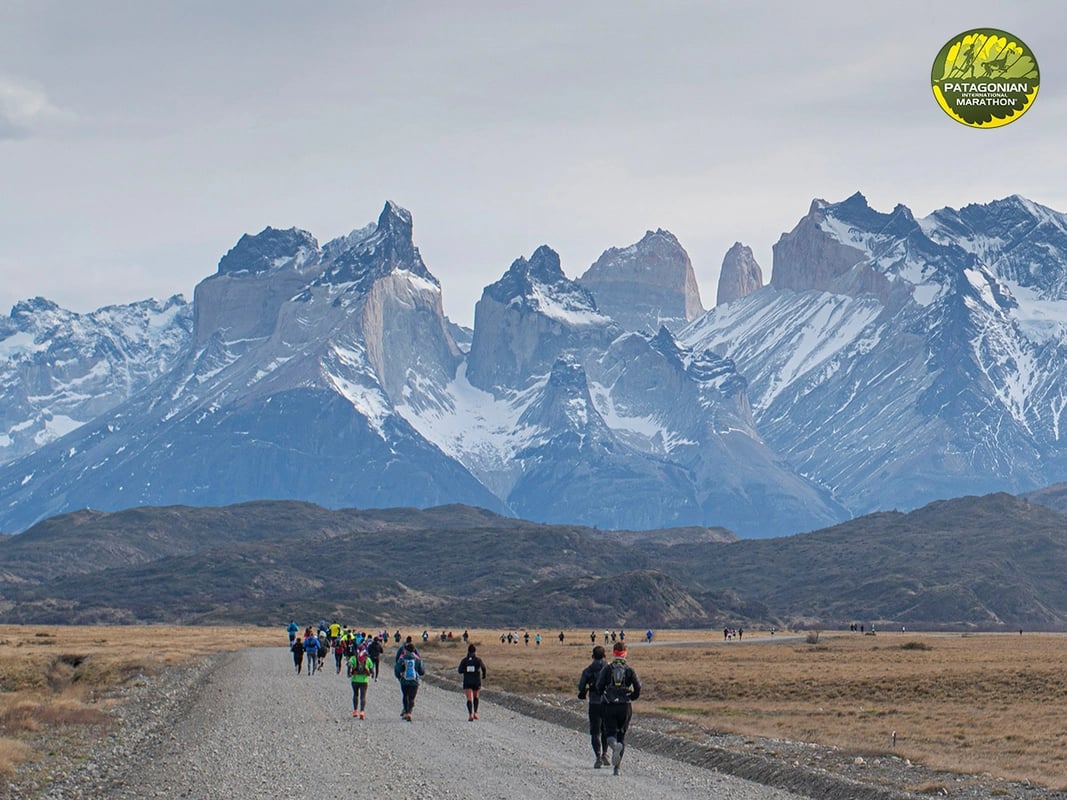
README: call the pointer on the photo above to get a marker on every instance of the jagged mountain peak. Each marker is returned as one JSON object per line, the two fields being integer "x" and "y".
{"x": 1022, "y": 242}
{"x": 539, "y": 285}
{"x": 739, "y": 276}
{"x": 268, "y": 250}
{"x": 33, "y": 305}
{"x": 647, "y": 284}
{"x": 544, "y": 265}
{"x": 375, "y": 251}
{"x": 665, "y": 343}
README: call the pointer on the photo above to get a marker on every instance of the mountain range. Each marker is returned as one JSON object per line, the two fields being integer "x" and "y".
{"x": 889, "y": 362}
{"x": 974, "y": 563}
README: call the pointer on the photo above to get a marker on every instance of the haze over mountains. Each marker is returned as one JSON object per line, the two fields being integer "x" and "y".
{"x": 890, "y": 361}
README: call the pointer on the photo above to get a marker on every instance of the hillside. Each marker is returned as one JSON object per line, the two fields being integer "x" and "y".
{"x": 994, "y": 563}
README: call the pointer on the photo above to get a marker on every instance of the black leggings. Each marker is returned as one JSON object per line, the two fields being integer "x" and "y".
{"x": 409, "y": 693}
{"x": 617, "y": 720}
{"x": 597, "y": 735}
{"x": 359, "y": 696}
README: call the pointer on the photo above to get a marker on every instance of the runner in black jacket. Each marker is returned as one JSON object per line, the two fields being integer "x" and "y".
{"x": 375, "y": 650}
{"x": 587, "y": 687}
{"x": 472, "y": 669}
{"x": 620, "y": 685}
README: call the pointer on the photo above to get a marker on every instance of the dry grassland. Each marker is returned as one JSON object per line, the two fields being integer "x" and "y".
{"x": 978, "y": 703}
{"x": 52, "y": 678}
{"x": 971, "y": 703}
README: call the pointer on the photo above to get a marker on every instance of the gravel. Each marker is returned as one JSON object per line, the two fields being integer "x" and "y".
{"x": 245, "y": 725}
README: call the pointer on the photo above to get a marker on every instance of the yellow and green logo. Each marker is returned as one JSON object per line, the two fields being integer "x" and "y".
{"x": 985, "y": 78}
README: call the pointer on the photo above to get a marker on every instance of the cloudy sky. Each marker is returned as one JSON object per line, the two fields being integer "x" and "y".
{"x": 138, "y": 141}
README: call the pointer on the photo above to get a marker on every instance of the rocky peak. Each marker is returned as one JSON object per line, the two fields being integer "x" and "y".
{"x": 542, "y": 269}
{"x": 646, "y": 285}
{"x": 373, "y": 252}
{"x": 1020, "y": 240}
{"x": 827, "y": 250}
{"x": 524, "y": 321}
{"x": 740, "y": 275}
{"x": 268, "y": 250}
{"x": 564, "y": 406}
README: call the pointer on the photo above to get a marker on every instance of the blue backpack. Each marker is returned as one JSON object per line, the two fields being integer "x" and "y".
{"x": 411, "y": 672}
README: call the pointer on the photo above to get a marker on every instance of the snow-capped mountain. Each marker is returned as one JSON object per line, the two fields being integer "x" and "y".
{"x": 568, "y": 417}
{"x": 889, "y": 361}
{"x": 60, "y": 369}
{"x": 286, "y": 391}
{"x": 896, "y": 360}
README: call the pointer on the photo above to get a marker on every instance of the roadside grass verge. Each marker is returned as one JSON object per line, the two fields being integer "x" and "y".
{"x": 969, "y": 703}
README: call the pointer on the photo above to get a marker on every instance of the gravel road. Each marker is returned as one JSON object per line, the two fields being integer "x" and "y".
{"x": 252, "y": 728}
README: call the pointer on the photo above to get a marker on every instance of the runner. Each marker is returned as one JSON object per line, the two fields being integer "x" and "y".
{"x": 409, "y": 671}
{"x": 587, "y": 687}
{"x": 472, "y": 669}
{"x": 620, "y": 685}
{"x": 298, "y": 653}
{"x": 292, "y": 629}
{"x": 374, "y": 650}
{"x": 311, "y": 648}
{"x": 338, "y": 652}
{"x": 360, "y": 667}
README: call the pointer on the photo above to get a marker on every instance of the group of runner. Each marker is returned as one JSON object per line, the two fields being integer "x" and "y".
{"x": 361, "y": 654}
{"x": 610, "y": 686}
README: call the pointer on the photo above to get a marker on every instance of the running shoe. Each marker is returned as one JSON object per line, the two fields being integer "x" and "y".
{"x": 599, "y": 763}
{"x": 476, "y": 715}
{"x": 470, "y": 718}
{"x": 355, "y": 713}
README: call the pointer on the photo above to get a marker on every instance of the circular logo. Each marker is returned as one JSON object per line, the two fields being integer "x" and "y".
{"x": 985, "y": 78}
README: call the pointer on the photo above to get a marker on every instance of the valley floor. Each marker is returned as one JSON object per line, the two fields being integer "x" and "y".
{"x": 245, "y": 725}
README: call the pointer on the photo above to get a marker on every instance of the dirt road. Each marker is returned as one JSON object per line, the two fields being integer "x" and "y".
{"x": 255, "y": 729}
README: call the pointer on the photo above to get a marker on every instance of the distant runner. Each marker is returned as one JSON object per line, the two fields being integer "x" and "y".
{"x": 472, "y": 669}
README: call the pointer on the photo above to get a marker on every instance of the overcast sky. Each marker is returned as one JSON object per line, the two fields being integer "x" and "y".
{"x": 138, "y": 141}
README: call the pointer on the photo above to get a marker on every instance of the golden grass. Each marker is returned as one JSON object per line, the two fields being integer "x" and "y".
{"x": 972, "y": 703}
{"x": 52, "y": 677}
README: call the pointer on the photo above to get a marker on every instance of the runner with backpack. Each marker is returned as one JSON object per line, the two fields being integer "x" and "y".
{"x": 472, "y": 669}
{"x": 409, "y": 671}
{"x": 587, "y": 688}
{"x": 360, "y": 667}
{"x": 619, "y": 684}
{"x": 311, "y": 650}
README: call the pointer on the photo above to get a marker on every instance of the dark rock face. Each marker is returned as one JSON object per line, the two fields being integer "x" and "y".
{"x": 646, "y": 285}
{"x": 740, "y": 275}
